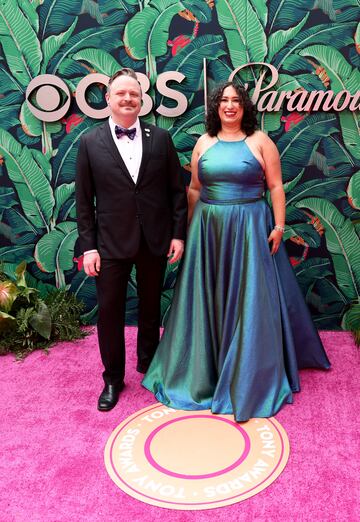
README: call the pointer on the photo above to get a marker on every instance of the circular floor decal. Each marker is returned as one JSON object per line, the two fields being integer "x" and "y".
{"x": 194, "y": 460}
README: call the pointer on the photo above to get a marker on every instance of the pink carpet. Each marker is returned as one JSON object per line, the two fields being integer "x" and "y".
{"x": 52, "y": 440}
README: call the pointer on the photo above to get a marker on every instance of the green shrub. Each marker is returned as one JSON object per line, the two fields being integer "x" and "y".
{"x": 29, "y": 322}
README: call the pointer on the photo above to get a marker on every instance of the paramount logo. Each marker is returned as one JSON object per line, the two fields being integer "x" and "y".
{"x": 50, "y": 106}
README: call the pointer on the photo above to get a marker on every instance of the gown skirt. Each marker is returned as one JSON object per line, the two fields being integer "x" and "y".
{"x": 239, "y": 328}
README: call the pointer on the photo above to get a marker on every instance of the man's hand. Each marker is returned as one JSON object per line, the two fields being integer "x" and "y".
{"x": 176, "y": 250}
{"x": 92, "y": 263}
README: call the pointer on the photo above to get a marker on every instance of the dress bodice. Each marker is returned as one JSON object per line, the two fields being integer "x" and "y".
{"x": 229, "y": 172}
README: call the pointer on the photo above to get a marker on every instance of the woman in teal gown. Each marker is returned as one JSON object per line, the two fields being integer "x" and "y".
{"x": 238, "y": 328}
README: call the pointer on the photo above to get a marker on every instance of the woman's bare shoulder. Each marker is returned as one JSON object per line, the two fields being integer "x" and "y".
{"x": 203, "y": 143}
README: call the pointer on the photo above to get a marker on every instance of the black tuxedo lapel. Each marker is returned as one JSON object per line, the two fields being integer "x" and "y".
{"x": 109, "y": 144}
{"x": 146, "y": 134}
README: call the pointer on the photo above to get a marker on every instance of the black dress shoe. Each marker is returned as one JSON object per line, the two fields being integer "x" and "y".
{"x": 109, "y": 396}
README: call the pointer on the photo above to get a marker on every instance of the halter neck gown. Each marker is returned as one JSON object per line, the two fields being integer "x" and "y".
{"x": 238, "y": 328}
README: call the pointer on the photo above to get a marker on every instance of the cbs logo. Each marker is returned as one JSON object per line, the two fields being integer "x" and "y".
{"x": 48, "y": 97}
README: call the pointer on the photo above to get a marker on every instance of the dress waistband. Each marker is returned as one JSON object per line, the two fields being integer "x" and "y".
{"x": 238, "y": 201}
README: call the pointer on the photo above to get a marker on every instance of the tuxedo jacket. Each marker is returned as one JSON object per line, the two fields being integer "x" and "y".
{"x": 112, "y": 209}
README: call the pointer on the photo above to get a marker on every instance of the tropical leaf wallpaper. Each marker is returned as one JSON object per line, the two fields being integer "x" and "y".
{"x": 313, "y": 44}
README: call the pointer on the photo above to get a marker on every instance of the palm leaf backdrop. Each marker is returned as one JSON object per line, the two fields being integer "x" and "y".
{"x": 314, "y": 45}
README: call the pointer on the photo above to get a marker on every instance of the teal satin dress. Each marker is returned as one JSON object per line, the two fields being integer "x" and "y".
{"x": 238, "y": 328}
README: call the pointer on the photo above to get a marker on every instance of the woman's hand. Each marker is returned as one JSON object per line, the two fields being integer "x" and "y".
{"x": 275, "y": 237}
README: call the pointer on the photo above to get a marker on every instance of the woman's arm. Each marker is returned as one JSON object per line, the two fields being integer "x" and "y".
{"x": 273, "y": 177}
{"x": 195, "y": 185}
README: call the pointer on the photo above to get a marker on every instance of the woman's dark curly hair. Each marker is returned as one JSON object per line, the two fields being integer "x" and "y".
{"x": 213, "y": 123}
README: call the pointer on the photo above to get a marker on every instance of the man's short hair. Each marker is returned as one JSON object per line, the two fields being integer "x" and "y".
{"x": 126, "y": 71}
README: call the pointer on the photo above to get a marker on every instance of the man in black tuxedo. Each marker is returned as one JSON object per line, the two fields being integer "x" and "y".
{"x": 131, "y": 210}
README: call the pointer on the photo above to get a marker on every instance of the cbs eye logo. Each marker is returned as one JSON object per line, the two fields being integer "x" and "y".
{"x": 48, "y": 97}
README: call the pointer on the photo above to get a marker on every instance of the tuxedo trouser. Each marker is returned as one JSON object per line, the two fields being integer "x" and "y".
{"x": 111, "y": 286}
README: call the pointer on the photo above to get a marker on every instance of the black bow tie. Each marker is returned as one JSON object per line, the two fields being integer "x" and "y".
{"x": 120, "y": 131}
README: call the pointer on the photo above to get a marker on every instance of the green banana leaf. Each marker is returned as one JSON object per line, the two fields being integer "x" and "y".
{"x": 329, "y": 313}
{"x": 197, "y": 130}
{"x": 192, "y": 117}
{"x": 19, "y": 42}
{"x": 118, "y": 13}
{"x": 329, "y": 34}
{"x": 164, "y": 122}
{"x": 62, "y": 194}
{"x": 284, "y": 13}
{"x": 269, "y": 121}
{"x": 92, "y": 8}
{"x": 34, "y": 127}
{"x": 332, "y": 189}
{"x": 324, "y": 164}
{"x": 342, "y": 77}
{"x": 218, "y": 71}
{"x": 295, "y": 64}
{"x": 326, "y": 6}
{"x": 65, "y": 160}
{"x": 68, "y": 211}
{"x": 29, "y": 11}
{"x": 310, "y": 270}
{"x": 280, "y": 38}
{"x": 51, "y": 45}
{"x": 305, "y": 231}
{"x": 348, "y": 12}
{"x": 199, "y": 9}
{"x": 43, "y": 289}
{"x": 56, "y": 16}
{"x": 147, "y": 32}
{"x": 7, "y": 197}
{"x": 126, "y": 61}
{"x": 351, "y": 319}
{"x": 12, "y": 254}
{"x": 290, "y": 185}
{"x": 83, "y": 287}
{"x": 294, "y": 214}
{"x": 336, "y": 153}
{"x": 330, "y": 293}
{"x": 342, "y": 242}
{"x": 31, "y": 184}
{"x": 189, "y": 61}
{"x": 55, "y": 250}
{"x": 43, "y": 162}
{"x": 350, "y": 126}
{"x": 261, "y": 10}
{"x": 101, "y": 61}
{"x": 106, "y": 38}
{"x": 31, "y": 125}
{"x": 22, "y": 230}
{"x": 245, "y": 36}
{"x": 10, "y": 88}
{"x": 184, "y": 144}
{"x": 9, "y": 115}
{"x": 70, "y": 68}
{"x": 297, "y": 145}
{"x": 353, "y": 190}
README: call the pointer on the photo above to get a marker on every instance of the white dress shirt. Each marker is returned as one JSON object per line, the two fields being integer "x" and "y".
{"x": 130, "y": 151}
